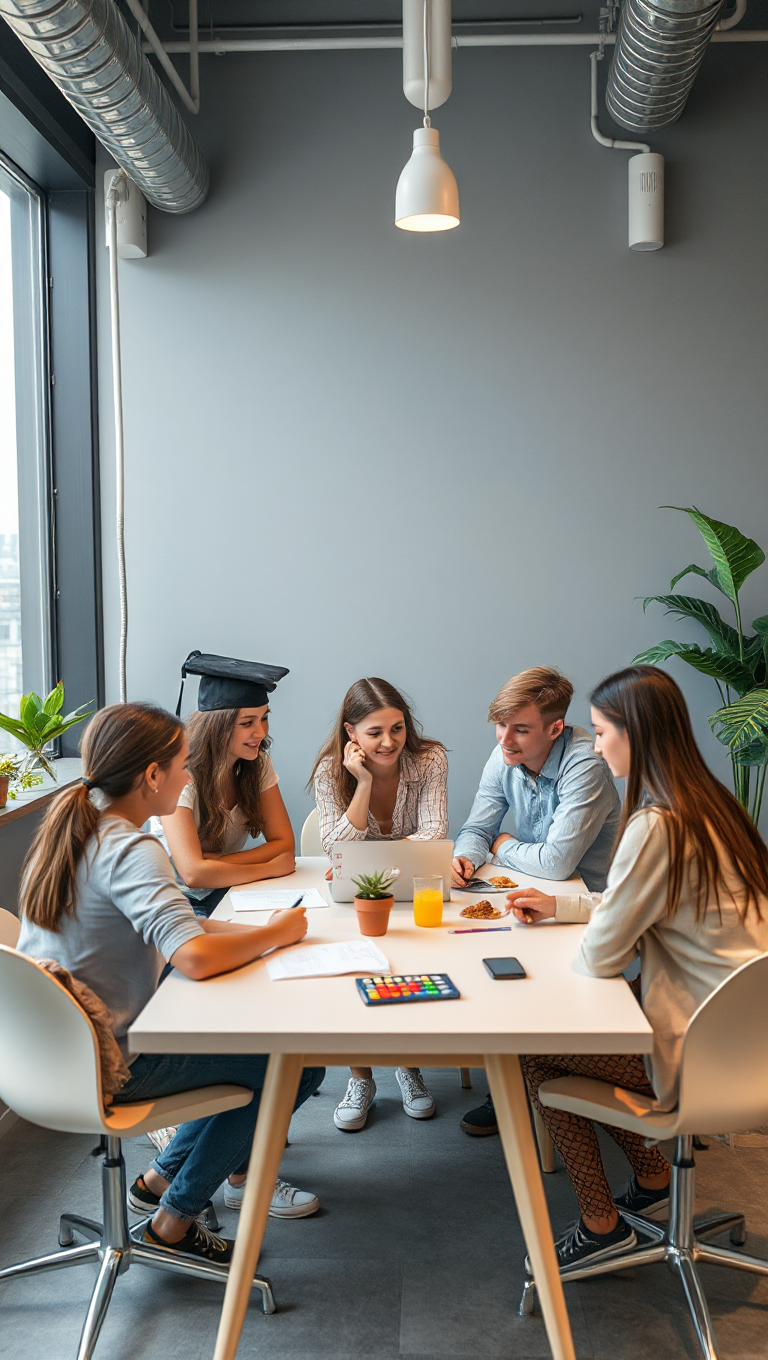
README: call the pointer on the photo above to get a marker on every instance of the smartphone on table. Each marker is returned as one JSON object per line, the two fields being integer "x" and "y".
{"x": 504, "y": 970}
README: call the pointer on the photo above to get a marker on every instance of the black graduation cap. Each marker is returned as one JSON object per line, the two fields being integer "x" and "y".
{"x": 228, "y": 683}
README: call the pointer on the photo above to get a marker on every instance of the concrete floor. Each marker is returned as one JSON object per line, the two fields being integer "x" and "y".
{"x": 416, "y": 1254}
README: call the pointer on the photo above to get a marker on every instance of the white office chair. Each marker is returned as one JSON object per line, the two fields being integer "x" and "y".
{"x": 723, "y": 1086}
{"x": 50, "y": 1075}
{"x": 10, "y": 926}
{"x": 311, "y": 843}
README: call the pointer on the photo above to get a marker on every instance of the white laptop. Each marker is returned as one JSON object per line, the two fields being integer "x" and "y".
{"x": 350, "y": 859}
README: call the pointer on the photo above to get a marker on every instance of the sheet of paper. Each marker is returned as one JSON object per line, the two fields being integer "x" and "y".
{"x": 328, "y": 960}
{"x": 275, "y": 899}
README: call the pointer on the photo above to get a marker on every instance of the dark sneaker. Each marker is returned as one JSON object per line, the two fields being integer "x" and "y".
{"x": 481, "y": 1121}
{"x": 141, "y": 1200}
{"x": 579, "y": 1245}
{"x": 197, "y": 1241}
{"x": 645, "y": 1203}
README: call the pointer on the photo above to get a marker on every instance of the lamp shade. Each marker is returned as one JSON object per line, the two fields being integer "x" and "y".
{"x": 427, "y": 197}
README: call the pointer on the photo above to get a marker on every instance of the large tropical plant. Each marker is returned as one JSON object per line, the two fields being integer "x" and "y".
{"x": 736, "y": 661}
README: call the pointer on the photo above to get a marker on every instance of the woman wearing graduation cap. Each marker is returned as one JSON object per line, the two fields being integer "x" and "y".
{"x": 234, "y": 791}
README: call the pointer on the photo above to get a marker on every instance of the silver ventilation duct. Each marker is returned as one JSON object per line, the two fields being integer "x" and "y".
{"x": 659, "y": 48}
{"x": 90, "y": 53}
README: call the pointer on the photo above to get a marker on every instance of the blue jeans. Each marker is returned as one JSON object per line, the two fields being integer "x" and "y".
{"x": 205, "y": 1151}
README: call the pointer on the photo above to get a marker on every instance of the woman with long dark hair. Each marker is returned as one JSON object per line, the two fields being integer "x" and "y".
{"x": 99, "y": 896}
{"x": 687, "y": 891}
{"x": 379, "y": 778}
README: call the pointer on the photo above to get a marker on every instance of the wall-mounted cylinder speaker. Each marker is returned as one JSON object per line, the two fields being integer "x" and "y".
{"x": 646, "y": 201}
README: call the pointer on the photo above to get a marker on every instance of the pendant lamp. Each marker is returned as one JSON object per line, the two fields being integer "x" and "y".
{"x": 427, "y": 197}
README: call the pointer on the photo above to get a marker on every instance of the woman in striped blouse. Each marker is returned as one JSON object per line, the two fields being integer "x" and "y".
{"x": 378, "y": 778}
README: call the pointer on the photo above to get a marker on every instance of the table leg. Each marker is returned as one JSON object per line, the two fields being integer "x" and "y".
{"x": 275, "y": 1110}
{"x": 510, "y": 1101}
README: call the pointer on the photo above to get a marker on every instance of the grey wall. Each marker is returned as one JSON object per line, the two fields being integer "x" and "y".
{"x": 354, "y": 451}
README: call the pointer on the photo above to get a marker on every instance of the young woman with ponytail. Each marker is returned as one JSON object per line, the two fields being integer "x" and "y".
{"x": 100, "y": 897}
{"x": 687, "y": 891}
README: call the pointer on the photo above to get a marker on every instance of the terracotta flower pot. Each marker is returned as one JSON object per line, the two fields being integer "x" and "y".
{"x": 373, "y": 914}
{"x": 4, "y": 781}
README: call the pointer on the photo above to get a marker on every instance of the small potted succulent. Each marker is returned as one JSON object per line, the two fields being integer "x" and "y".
{"x": 373, "y": 901}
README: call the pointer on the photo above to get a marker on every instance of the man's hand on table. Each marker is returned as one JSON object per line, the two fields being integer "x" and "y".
{"x": 462, "y": 871}
{"x": 529, "y": 905}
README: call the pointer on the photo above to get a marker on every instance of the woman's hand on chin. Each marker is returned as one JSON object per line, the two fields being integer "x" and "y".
{"x": 354, "y": 760}
{"x": 529, "y": 905}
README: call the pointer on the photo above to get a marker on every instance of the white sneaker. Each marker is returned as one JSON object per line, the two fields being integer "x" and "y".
{"x": 352, "y": 1111}
{"x": 417, "y": 1101}
{"x": 287, "y": 1201}
{"x": 160, "y": 1138}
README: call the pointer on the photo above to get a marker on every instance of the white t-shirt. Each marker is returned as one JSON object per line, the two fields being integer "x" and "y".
{"x": 236, "y": 830}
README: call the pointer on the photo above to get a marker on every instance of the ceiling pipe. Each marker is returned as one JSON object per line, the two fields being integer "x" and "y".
{"x": 659, "y": 49}
{"x": 91, "y": 55}
{"x": 367, "y": 43}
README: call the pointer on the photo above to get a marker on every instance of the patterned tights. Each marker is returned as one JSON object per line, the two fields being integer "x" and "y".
{"x": 575, "y": 1137}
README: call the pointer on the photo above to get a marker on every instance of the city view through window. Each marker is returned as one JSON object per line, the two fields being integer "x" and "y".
{"x": 10, "y": 576}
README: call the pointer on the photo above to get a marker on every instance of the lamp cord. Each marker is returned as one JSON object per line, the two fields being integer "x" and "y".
{"x": 116, "y": 187}
{"x": 427, "y": 122}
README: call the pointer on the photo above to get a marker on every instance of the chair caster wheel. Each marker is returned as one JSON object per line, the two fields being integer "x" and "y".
{"x": 528, "y": 1301}
{"x": 738, "y": 1236}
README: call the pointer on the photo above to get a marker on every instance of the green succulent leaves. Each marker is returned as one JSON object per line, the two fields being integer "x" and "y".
{"x": 373, "y": 886}
{"x": 40, "y": 722}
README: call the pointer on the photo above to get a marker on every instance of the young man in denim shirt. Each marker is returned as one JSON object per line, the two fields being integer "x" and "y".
{"x": 558, "y": 792}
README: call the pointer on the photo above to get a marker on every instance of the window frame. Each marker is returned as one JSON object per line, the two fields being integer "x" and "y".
{"x": 47, "y": 143}
{"x": 36, "y": 553}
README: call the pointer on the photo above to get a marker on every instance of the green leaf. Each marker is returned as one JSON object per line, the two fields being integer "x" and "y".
{"x": 27, "y": 711}
{"x": 754, "y": 753}
{"x": 761, "y": 628}
{"x": 54, "y": 701}
{"x": 735, "y": 556}
{"x": 719, "y": 665}
{"x": 701, "y": 611}
{"x": 15, "y": 727}
{"x": 699, "y": 571}
{"x": 742, "y": 722}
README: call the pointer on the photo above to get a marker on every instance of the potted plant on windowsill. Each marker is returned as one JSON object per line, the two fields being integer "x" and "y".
{"x": 12, "y": 778}
{"x": 39, "y": 723}
{"x": 374, "y": 900}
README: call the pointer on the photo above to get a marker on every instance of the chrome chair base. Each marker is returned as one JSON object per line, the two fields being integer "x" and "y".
{"x": 117, "y": 1247}
{"x": 680, "y": 1244}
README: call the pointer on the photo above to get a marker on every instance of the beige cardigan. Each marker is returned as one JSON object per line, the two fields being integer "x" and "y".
{"x": 682, "y": 961}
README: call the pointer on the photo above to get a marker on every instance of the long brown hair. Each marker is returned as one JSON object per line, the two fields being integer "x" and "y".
{"x": 119, "y": 744}
{"x": 361, "y": 699}
{"x": 667, "y": 772}
{"x": 210, "y": 737}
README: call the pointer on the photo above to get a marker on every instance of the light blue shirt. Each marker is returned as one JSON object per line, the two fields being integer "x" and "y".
{"x": 565, "y": 818}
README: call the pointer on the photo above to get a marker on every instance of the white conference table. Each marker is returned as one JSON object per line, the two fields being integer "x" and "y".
{"x": 317, "y": 1022}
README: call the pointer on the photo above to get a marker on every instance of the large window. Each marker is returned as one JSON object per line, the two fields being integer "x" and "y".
{"x": 25, "y": 583}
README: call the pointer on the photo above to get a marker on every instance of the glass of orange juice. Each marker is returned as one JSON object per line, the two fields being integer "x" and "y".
{"x": 428, "y": 900}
